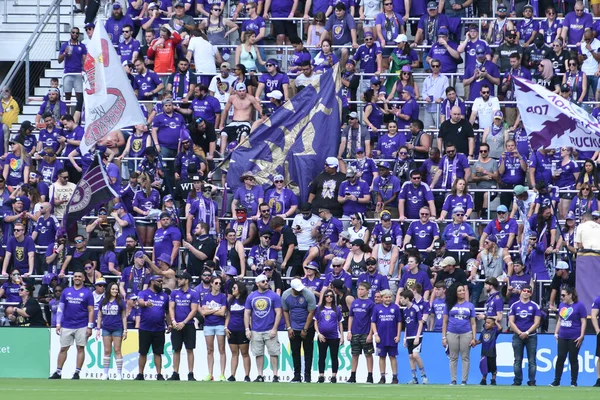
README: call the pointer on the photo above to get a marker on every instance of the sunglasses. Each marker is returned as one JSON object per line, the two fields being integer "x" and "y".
{"x": 216, "y": 9}
{"x": 585, "y": 189}
{"x": 265, "y": 211}
{"x": 500, "y": 212}
{"x": 126, "y": 31}
{"x": 424, "y": 215}
{"x": 277, "y": 181}
{"x": 337, "y": 266}
{"x": 402, "y": 153}
{"x": 269, "y": 65}
{"x": 248, "y": 179}
{"x": 79, "y": 241}
{"x": 328, "y": 295}
{"x": 563, "y": 295}
{"x": 17, "y": 230}
{"x": 205, "y": 275}
{"x": 77, "y": 33}
{"x": 89, "y": 29}
{"x": 526, "y": 290}
{"x": 486, "y": 92}
{"x": 387, "y": 4}
{"x": 102, "y": 213}
{"x": 572, "y": 64}
{"x": 416, "y": 178}
{"x": 368, "y": 39}
{"x": 450, "y": 151}
{"x": 16, "y": 274}
{"x": 61, "y": 177}
{"x": 483, "y": 151}
{"x": 22, "y": 290}
{"x": 345, "y": 240}
{"x": 249, "y": 8}
{"x": 88, "y": 268}
{"x": 217, "y": 283}
{"x": 460, "y": 215}
{"x": 435, "y": 66}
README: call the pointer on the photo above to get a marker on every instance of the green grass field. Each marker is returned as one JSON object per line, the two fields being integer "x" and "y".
{"x": 113, "y": 390}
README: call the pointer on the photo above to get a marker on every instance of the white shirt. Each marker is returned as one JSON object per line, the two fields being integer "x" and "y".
{"x": 588, "y": 234}
{"x": 223, "y": 94}
{"x": 204, "y": 55}
{"x": 485, "y": 110}
{"x": 590, "y": 65}
{"x": 303, "y": 80}
{"x": 305, "y": 241}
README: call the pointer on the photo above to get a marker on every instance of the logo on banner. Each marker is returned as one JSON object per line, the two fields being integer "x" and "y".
{"x": 107, "y": 119}
{"x": 81, "y": 197}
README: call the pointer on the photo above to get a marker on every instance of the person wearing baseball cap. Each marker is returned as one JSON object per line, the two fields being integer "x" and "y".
{"x": 503, "y": 228}
{"x": 262, "y": 254}
{"x": 354, "y": 195}
{"x": 494, "y": 305}
{"x": 337, "y": 274}
{"x": 385, "y": 185}
{"x": 450, "y": 274}
{"x": 475, "y": 51}
{"x": 563, "y": 277}
{"x": 445, "y": 51}
{"x": 386, "y": 226}
{"x": 376, "y": 280}
{"x": 458, "y": 234}
{"x": 323, "y": 190}
{"x": 299, "y": 305}
{"x": 183, "y": 306}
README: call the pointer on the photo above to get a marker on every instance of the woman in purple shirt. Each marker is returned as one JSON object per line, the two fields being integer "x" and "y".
{"x": 458, "y": 330}
{"x": 459, "y": 197}
{"x": 584, "y": 201}
{"x": 213, "y": 309}
{"x": 328, "y": 326}
{"x": 16, "y": 165}
{"x": 390, "y": 142}
{"x": 373, "y": 114}
{"x": 565, "y": 177}
{"x": 234, "y": 329}
{"x": 112, "y": 324}
{"x": 10, "y": 290}
{"x": 569, "y": 334}
{"x": 144, "y": 201}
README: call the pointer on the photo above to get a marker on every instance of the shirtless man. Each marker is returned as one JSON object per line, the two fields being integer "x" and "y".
{"x": 164, "y": 270}
{"x": 244, "y": 107}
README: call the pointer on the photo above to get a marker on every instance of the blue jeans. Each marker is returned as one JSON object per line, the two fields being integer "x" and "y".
{"x": 475, "y": 290}
{"x": 592, "y": 85}
{"x": 518, "y": 345}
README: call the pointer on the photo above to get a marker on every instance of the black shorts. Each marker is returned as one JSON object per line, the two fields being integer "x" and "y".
{"x": 358, "y": 345}
{"x": 238, "y": 337}
{"x": 410, "y": 346}
{"x": 287, "y": 28}
{"x": 156, "y": 339}
{"x": 235, "y": 130}
{"x": 491, "y": 365}
{"x": 598, "y": 345}
{"x": 187, "y": 335}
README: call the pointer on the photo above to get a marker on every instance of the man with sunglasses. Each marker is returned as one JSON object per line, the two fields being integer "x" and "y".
{"x": 505, "y": 229}
{"x": 180, "y": 19}
{"x": 77, "y": 256}
{"x": 73, "y": 53}
{"x": 452, "y": 166}
{"x": 44, "y": 234}
{"x": 508, "y": 85}
{"x": 480, "y": 73}
{"x": 445, "y": 51}
{"x": 524, "y": 318}
{"x": 413, "y": 196}
{"x": 20, "y": 246}
{"x": 369, "y": 56}
{"x": 485, "y": 176}
{"x": 484, "y": 108}
{"x": 129, "y": 48}
{"x": 458, "y": 233}
{"x": 575, "y": 24}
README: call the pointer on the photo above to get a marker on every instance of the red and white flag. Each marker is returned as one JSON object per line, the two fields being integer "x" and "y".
{"x": 110, "y": 102}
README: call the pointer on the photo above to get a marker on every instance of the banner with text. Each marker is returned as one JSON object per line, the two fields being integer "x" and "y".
{"x": 434, "y": 358}
{"x": 553, "y": 121}
{"x": 24, "y": 352}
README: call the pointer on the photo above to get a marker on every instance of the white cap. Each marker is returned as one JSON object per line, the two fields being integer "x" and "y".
{"x": 297, "y": 285}
{"x": 332, "y": 162}
{"x": 401, "y": 38}
{"x": 276, "y": 94}
{"x": 261, "y": 278}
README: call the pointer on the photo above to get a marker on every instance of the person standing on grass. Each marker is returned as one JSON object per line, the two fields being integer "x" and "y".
{"x": 487, "y": 339}
{"x": 154, "y": 313}
{"x": 413, "y": 335}
{"x": 458, "y": 330}
{"x": 595, "y": 316}
{"x": 112, "y": 324}
{"x": 299, "y": 305}
{"x": 234, "y": 329}
{"x": 213, "y": 308}
{"x": 183, "y": 306}
{"x": 524, "y": 318}
{"x": 263, "y": 313}
{"x": 360, "y": 333}
{"x": 330, "y": 334}
{"x": 386, "y": 325}
{"x": 74, "y": 323}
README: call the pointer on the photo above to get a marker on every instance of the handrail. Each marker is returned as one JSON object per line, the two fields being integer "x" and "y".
{"x": 21, "y": 59}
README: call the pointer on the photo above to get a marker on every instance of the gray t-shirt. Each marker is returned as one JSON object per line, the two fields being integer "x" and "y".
{"x": 298, "y": 307}
{"x": 491, "y": 167}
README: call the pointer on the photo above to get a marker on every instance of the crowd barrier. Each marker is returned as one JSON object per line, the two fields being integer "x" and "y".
{"x": 24, "y": 353}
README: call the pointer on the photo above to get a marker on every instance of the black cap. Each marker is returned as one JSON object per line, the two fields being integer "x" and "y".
{"x": 151, "y": 151}
{"x": 184, "y": 275}
{"x": 438, "y": 244}
{"x": 266, "y": 232}
{"x": 339, "y": 284}
{"x": 371, "y": 261}
{"x": 565, "y": 88}
{"x": 358, "y": 242}
{"x": 304, "y": 207}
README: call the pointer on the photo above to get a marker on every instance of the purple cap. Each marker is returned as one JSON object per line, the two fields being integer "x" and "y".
{"x": 368, "y": 34}
{"x": 480, "y": 51}
{"x": 48, "y": 278}
{"x": 498, "y": 114}
{"x": 375, "y": 80}
{"x": 442, "y": 32}
{"x": 139, "y": 254}
{"x": 164, "y": 257}
{"x": 406, "y": 68}
{"x": 410, "y": 90}
{"x": 118, "y": 206}
{"x": 155, "y": 277}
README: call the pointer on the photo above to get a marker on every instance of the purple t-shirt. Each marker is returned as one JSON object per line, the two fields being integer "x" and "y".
{"x": 377, "y": 281}
{"x": 422, "y": 234}
{"x": 329, "y": 321}
{"x": 153, "y": 318}
{"x": 274, "y": 82}
{"x": 146, "y": 83}
{"x": 411, "y": 316}
{"x": 281, "y": 8}
{"x": 411, "y": 108}
{"x": 492, "y": 70}
{"x": 121, "y": 236}
{"x": 16, "y": 168}
{"x": 340, "y": 28}
{"x": 526, "y": 28}
{"x": 114, "y": 27}
{"x": 439, "y": 309}
{"x": 386, "y": 320}
{"x": 316, "y": 284}
{"x": 517, "y": 282}
{"x": 577, "y": 26}
{"x": 525, "y": 314}
{"x": 345, "y": 276}
{"x": 112, "y": 315}
{"x": 470, "y": 53}
{"x": 214, "y": 302}
{"x": 75, "y": 307}
{"x": 459, "y": 317}
{"x": 134, "y": 279}
{"x": 163, "y": 240}
{"x": 254, "y": 25}
{"x": 453, "y": 236}
{"x": 448, "y": 63}
{"x": 502, "y": 230}
{"x": 75, "y": 134}
{"x": 359, "y": 189}
{"x": 493, "y": 304}
{"x": 11, "y": 292}
{"x": 146, "y": 203}
{"x": 105, "y": 259}
{"x": 249, "y": 198}
{"x": 183, "y": 303}
{"x": 543, "y": 166}
{"x": 570, "y": 320}
{"x": 46, "y": 229}
{"x": 414, "y": 197}
{"x": 73, "y": 61}
{"x": 513, "y": 173}
{"x": 263, "y": 307}
{"x": 169, "y": 128}
{"x": 390, "y": 26}
{"x": 409, "y": 279}
{"x": 50, "y": 139}
{"x": 236, "y": 316}
{"x": 20, "y": 252}
{"x": 126, "y": 50}
{"x": 464, "y": 201}
{"x": 566, "y": 179}
{"x": 207, "y": 108}
{"x": 280, "y": 202}
{"x": 388, "y": 145}
{"x": 387, "y": 188}
{"x": 361, "y": 311}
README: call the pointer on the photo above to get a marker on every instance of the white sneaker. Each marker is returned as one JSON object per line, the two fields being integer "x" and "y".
{"x": 105, "y": 378}
{"x": 425, "y": 380}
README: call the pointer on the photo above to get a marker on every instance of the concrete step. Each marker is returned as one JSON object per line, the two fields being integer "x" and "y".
{"x": 31, "y": 109}
{"x": 45, "y": 84}
{"x": 27, "y": 9}
{"x": 34, "y": 3}
{"x": 54, "y": 73}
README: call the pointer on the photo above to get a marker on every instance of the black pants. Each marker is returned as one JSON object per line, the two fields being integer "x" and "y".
{"x": 567, "y": 346}
{"x": 334, "y": 348}
{"x": 506, "y": 198}
{"x": 306, "y": 344}
{"x": 91, "y": 11}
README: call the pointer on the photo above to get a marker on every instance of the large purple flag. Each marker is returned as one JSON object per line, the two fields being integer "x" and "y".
{"x": 92, "y": 190}
{"x": 587, "y": 281}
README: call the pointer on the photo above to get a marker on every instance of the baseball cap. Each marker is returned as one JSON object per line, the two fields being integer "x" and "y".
{"x": 260, "y": 278}
{"x": 448, "y": 261}
{"x": 438, "y": 244}
{"x": 226, "y": 65}
{"x": 345, "y": 235}
{"x": 368, "y": 34}
{"x": 266, "y": 232}
{"x": 595, "y": 214}
{"x": 276, "y": 94}
{"x": 139, "y": 254}
{"x": 240, "y": 86}
{"x": 512, "y": 33}
{"x": 167, "y": 198}
{"x": 312, "y": 265}
{"x": 350, "y": 172}
{"x": 565, "y": 88}
{"x": 385, "y": 216}
{"x": 562, "y": 265}
{"x": 458, "y": 209}
{"x": 401, "y": 38}
{"x": 387, "y": 239}
{"x": 332, "y": 162}
{"x": 501, "y": 208}
{"x": 89, "y": 25}
{"x": 492, "y": 238}
{"x": 100, "y": 282}
{"x": 371, "y": 261}
{"x": 528, "y": 6}
{"x": 116, "y": 6}
{"x": 297, "y": 285}
{"x": 502, "y": 7}
{"x": 480, "y": 51}
{"x": 410, "y": 90}
{"x": 353, "y": 115}
{"x": 338, "y": 284}
{"x": 375, "y": 80}
{"x": 232, "y": 271}
{"x": 498, "y": 114}
{"x": 570, "y": 215}
{"x": 178, "y": 4}
{"x": 432, "y": 5}
{"x": 384, "y": 164}
{"x": 358, "y": 242}
{"x": 304, "y": 207}
{"x": 184, "y": 275}
{"x": 519, "y": 190}
{"x": 350, "y": 60}
{"x": 155, "y": 277}
{"x": 442, "y": 32}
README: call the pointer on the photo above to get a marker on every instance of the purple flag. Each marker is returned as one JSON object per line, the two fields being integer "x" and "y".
{"x": 92, "y": 190}
{"x": 588, "y": 276}
{"x": 483, "y": 366}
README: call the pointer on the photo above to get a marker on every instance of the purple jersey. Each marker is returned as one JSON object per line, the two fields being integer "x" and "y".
{"x": 169, "y": 127}
{"x": 570, "y": 316}
{"x": 163, "y": 240}
{"x": 439, "y": 307}
{"x": 50, "y": 139}
{"x": 386, "y": 319}
{"x": 75, "y": 134}
{"x": 488, "y": 337}
{"x": 214, "y": 302}
{"x": 422, "y": 234}
{"x": 517, "y": 282}
{"x": 487, "y": 66}
{"x": 471, "y": 57}
{"x": 526, "y": 27}
{"x": 254, "y": 25}
{"x": 525, "y": 314}
{"x": 274, "y": 82}
{"x": 459, "y": 317}
{"x": 465, "y": 201}
{"x": 359, "y": 189}
{"x": 409, "y": 279}
{"x": 377, "y": 281}
{"x": 236, "y": 316}
{"x": 146, "y": 203}
{"x": 122, "y": 233}
{"x": 331, "y": 229}
{"x": 134, "y": 279}
{"x": 449, "y": 64}
{"x": 412, "y": 316}
{"x": 112, "y": 315}
{"x": 387, "y": 188}
{"x": 20, "y": 252}
{"x": 280, "y": 203}
{"x": 153, "y": 318}
{"x": 329, "y": 321}
{"x": 340, "y": 28}
{"x": 316, "y": 284}
{"x": 513, "y": 173}
{"x": 74, "y": 57}
{"x": 263, "y": 308}
{"x": 75, "y": 307}
{"x": 146, "y": 83}
{"x": 414, "y": 198}
{"x": 207, "y": 108}
{"x": 361, "y": 311}
{"x": 502, "y": 230}
{"x": 566, "y": 179}
{"x": 550, "y": 32}
{"x": 344, "y": 276}
{"x": 453, "y": 236}
{"x": 390, "y": 26}
{"x": 126, "y": 49}
{"x": 46, "y": 229}
{"x": 105, "y": 259}
{"x": 494, "y": 304}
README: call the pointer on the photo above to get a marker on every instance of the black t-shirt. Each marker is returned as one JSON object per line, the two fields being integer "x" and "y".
{"x": 208, "y": 246}
{"x": 125, "y": 258}
{"x": 204, "y": 138}
{"x": 76, "y": 264}
{"x": 33, "y": 309}
{"x": 290, "y": 238}
{"x": 325, "y": 187}
{"x": 457, "y": 276}
{"x": 458, "y": 134}
{"x": 559, "y": 283}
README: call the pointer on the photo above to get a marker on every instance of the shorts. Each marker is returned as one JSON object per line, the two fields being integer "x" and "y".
{"x": 358, "y": 345}
{"x": 218, "y": 330}
{"x": 567, "y": 196}
{"x": 112, "y": 332}
{"x": 187, "y": 335}
{"x": 369, "y": 23}
{"x": 287, "y": 28}
{"x": 391, "y": 351}
{"x": 598, "y": 345}
{"x": 70, "y": 336}
{"x": 156, "y": 339}
{"x": 410, "y": 346}
{"x": 73, "y": 81}
{"x": 238, "y": 337}
{"x": 146, "y": 222}
{"x": 491, "y": 365}
{"x": 235, "y": 130}
{"x": 386, "y": 51}
{"x": 260, "y": 340}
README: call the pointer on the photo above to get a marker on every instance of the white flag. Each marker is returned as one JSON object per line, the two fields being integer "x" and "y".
{"x": 110, "y": 102}
{"x": 553, "y": 121}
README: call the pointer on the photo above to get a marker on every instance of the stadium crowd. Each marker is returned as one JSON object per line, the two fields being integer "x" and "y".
{"x": 414, "y": 223}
